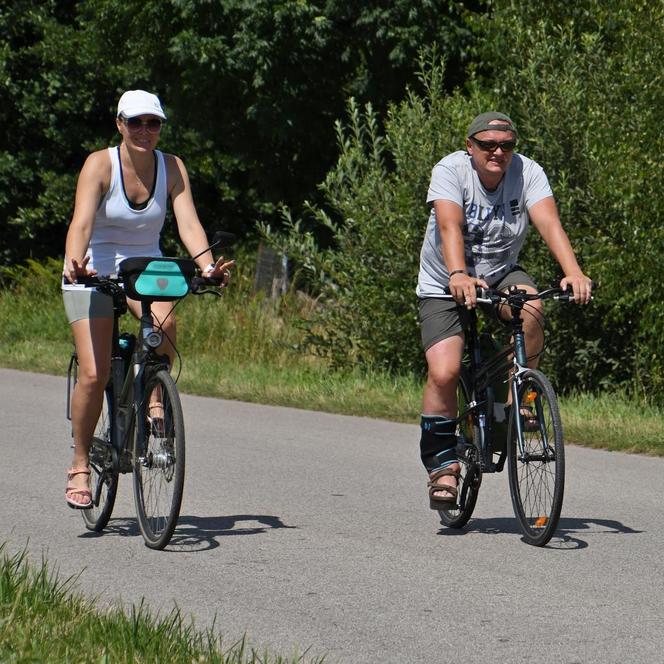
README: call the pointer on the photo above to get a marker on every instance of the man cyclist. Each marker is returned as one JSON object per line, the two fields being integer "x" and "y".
{"x": 482, "y": 201}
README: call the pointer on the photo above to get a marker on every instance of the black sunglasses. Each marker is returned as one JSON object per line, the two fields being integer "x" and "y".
{"x": 492, "y": 146}
{"x": 134, "y": 124}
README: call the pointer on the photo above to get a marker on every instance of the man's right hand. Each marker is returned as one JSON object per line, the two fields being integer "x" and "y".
{"x": 463, "y": 289}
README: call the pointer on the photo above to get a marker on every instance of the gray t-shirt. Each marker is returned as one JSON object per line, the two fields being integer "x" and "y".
{"x": 496, "y": 221}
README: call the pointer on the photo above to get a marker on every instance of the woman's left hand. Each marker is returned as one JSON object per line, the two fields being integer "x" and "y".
{"x": 219, "y": 270}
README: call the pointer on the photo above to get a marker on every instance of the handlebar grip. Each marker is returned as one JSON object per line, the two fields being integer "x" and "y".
{"x": 198, "y": 283}
{"x": 90, "y": 280}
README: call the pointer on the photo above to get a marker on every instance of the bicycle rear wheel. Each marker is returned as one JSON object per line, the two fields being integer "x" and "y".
{"x": 158, "y": 460}
{"x": 537, "y": 466}
{"x": 103, "y": 476}
{"x": 469, "y": 462}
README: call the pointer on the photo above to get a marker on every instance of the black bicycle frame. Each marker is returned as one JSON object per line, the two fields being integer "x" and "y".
{"x": 482, "y": 373}
{"x": 128, "y": 386}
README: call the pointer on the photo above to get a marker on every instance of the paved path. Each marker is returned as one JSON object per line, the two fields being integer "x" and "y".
{"x": 310, "y": 530}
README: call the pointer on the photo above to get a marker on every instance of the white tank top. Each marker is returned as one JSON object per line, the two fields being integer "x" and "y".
{"x": 119, "y": 231}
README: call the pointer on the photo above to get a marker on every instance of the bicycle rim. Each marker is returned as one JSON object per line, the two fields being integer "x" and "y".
{"x": 103, "y": 478}
{"x": 159, "y": 459}
{"x": 537, "y": 475}
{"x": 469, "y": 462}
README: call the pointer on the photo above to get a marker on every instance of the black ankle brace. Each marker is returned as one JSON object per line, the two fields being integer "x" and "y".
{"x": 438, "y": 441}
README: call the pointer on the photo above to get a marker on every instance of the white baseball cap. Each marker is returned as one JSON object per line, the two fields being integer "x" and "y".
{"x": 140, "y": 102}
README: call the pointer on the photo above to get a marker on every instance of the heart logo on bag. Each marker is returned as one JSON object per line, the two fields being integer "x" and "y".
{"x": 162, "y": 283}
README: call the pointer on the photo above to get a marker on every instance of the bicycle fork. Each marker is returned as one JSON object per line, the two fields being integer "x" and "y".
{"x": 547, "y": 453}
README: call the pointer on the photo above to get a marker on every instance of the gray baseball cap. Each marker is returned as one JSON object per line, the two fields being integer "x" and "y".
{"x": 481, "y": 123}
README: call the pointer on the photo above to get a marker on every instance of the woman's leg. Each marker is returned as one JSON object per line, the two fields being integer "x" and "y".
{"x": 92, "y": 337}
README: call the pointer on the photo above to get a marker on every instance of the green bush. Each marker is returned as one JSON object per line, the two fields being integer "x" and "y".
{"x": 375, "y": 218}
{"x": 584, "y": 85}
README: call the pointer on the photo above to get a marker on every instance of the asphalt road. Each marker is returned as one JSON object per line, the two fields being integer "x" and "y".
{"x": 307, "y": 530}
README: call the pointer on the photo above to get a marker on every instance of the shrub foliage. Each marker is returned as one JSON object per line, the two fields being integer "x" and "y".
{"x": 584, "y": 84}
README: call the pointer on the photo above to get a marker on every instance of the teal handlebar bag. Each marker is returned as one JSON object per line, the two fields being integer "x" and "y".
{"x": 156, "y": 279}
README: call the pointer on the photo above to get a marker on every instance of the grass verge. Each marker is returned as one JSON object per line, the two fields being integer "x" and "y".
{"x": 43, "y": 619}
{"x": 247, "y": 348}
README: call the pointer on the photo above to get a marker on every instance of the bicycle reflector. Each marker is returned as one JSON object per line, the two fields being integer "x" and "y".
{"x": 156, "y": 279}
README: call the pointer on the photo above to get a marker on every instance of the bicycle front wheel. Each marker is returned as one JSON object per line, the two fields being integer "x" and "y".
{"x": 159, "y": 459}
{"x": 469, "y": 462}
{"x": 103, "y": 474}
{"x": 536, "y": 459}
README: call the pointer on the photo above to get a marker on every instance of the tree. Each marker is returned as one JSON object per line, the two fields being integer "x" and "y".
{"x": 251, "y": 90}
{"x": 584, "y": 84}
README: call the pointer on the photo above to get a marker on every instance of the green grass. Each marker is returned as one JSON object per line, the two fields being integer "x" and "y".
{"x": 247, "y": 348}
{"x": 44, "y": 619}
{"x": 242, "y": 347}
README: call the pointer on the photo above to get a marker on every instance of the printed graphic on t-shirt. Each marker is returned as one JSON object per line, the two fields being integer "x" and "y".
{"x": 489, "y": 233}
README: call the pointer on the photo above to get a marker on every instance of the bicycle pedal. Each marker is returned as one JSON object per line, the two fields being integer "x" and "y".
{"x": 125, "y": 465}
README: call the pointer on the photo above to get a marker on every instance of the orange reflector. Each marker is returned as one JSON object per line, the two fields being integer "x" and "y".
{"x": 531, "y": 396}
{"x": 541, "y": 521}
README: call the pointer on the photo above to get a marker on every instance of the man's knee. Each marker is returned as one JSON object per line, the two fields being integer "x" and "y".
{"x": 444, "y": 378}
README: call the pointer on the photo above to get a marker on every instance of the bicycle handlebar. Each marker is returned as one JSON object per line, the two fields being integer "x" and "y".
{"x": 518, "y": 296}
{"x": 199, "y": 285}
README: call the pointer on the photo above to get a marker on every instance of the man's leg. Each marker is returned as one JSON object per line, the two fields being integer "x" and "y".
{"x": 439, "y": 411}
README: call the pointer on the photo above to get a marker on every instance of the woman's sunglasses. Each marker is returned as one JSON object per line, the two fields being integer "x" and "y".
{"x": 492, "y": 146}
{"x": 134, "y": 124}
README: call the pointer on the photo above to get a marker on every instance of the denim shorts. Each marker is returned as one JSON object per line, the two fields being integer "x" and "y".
{"x": 441, "y": 319}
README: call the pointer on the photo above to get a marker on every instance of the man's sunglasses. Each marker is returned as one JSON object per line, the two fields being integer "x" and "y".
{"x": 492, "y": 146}
{"x": 134, "y": 124}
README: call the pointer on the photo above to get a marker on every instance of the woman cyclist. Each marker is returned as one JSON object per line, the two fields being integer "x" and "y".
{"x": 120, "y": 207}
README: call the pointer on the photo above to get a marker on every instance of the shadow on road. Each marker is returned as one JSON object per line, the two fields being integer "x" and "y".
{"x": 565, "y": 537}
{"x": 198, "y": 533}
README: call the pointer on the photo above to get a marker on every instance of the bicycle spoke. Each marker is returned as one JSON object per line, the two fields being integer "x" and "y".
{"x": 469, "y": 462}
{"x": 536, "y": 464}
{"x": 159, "y": 461}
{"x": 103, "y": 479}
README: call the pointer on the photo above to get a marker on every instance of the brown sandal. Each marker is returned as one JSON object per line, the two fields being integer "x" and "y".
{"x": 446, "y": 502}
{"x": 156, "y": 422}
{"x": 71, "y": 490}
{"x": 530, "y": 419}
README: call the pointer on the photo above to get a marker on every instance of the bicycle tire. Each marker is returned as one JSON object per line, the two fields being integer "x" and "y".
{"x": 103, "y": 475}
{"x": 158, "y": 461}
{"x": 469, "y": 462}
{"x": 537, "y": 478}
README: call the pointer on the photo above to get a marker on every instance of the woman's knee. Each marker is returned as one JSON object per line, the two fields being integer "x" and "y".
{"x": 93, "y": 379}
{"x": 444, "y": 362}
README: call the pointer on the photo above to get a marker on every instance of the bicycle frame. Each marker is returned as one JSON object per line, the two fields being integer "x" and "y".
{"x": 482, "y": 407}
{"x": 128, "y": 392}
{"x": 511, "y": 360}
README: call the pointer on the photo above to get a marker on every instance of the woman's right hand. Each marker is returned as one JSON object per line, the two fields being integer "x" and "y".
{"x": 75, "y": 270}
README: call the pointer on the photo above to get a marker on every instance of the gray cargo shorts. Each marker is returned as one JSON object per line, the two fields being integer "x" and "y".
{"x": 441, "y": 319}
